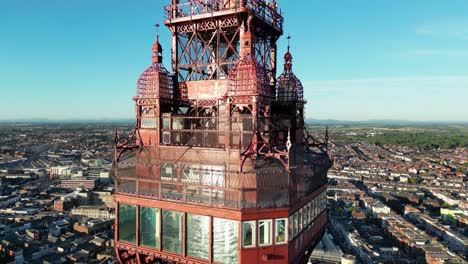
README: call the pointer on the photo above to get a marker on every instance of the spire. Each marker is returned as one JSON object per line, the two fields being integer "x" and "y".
{"x": 157, "y": 49}
{"x": 288, "y": 58}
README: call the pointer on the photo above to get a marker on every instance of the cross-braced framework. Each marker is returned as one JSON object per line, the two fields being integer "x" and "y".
{"x": 207, "y": 49}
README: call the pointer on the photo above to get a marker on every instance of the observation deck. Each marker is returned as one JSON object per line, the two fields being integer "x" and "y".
{"x": 189, "y": 10}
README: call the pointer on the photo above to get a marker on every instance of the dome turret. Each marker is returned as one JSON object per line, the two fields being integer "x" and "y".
{"x": 289, "y": 87}
{"x": 155, "y": 82}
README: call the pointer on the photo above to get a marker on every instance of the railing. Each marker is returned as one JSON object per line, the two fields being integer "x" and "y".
{"x": 211, "y": 185}
{"x": 267, "y": 11}
{"x": 206, "y": 131}
{"x": 213, "y": 194}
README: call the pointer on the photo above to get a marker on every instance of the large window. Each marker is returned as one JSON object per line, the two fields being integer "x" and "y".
{"x": 280, "y": 231}
{"x": 264, "y": 232}
{"x": 172, "y": 231}
{"x": 248, "y": 234}
{"x": 198, "y": 236}
{"x": 127, "y": 223}
{"x": 225, "y": 238}
{"x": 149, "y": 227}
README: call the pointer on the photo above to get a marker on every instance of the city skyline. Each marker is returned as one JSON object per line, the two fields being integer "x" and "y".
{"x": 364, "y": 61}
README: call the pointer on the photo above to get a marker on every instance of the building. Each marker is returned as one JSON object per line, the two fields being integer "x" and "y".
{"x": 79, "y": 183}
{"x": 220, "y": 167}
{"x": 93, "y": 212}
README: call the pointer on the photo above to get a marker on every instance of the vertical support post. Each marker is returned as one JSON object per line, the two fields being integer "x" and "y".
{"x": 160, "y": 227}
{"x": 210, "y": 242}
{"x": 137, "y": 226}
{"x": 184, "y": 237}
{"x": 255, "y": 121}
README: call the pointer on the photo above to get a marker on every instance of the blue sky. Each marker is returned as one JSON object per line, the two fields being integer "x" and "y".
{"x": 358, "y": 60}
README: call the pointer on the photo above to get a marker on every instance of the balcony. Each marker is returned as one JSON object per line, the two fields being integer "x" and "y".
{"x": 193, "y": 9}
{"x": 269, "y": 186}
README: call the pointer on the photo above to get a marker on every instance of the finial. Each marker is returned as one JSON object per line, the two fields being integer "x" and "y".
{"x": 157, "y": 49}
{"x": 157, "y": 28}
{"x": 288, "y": 58}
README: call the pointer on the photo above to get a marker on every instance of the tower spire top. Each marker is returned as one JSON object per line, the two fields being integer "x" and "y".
{"x": 157, "y": 49}
{"x": 288, "y": 57}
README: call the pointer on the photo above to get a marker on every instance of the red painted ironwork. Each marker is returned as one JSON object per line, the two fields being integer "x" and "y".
{"x": 223, "y": 139}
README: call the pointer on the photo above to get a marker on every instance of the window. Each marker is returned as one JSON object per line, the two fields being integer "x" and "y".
{"x": 280, "y": 231}
{"x": 248, "y": 234}
{"x": 264, "y": 232}
{"x": 149, "y": 227}
{"x": 225, "y": 239}
{"x": 127, "y": 223}
{"x": 291, "y": 228}
{"x": 190, "y": 173}
{"x": 198, "y": 236}
{"x": 304, "y": 217}
{"x": 168, "y": 172}
{"x": 296, "y": 224}
{"x": 311, "y": 211}
{"x": 300, "y": 220}
{"x": 172, "y": 231}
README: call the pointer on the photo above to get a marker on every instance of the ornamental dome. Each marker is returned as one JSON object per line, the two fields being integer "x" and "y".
{"x": 155, "y": 82}
{"x": 248, "y": 77}
{"x": 289, "y": 87}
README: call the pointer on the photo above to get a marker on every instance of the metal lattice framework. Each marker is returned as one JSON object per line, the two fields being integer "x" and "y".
{"x": 207, "y": 49}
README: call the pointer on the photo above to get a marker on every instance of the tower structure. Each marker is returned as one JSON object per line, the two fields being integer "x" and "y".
{"x": 220, "y": 168}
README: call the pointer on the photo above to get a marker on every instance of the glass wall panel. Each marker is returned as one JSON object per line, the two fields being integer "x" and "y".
{"x": 127, "y": 223}
{"x": 168, "y": 172}
{"x": 248, "y": 234}
{"x": 296, "y": 224}
{"x": 198, "y": 236}
{"x": 291, "y": 228}
{"x": 149, "y": 227}
{"x": 225, "y": 238}
{"x": 301, "y": 223}
{"x": 280, "y": 231}
{"x": 264, "y": 232}
{"x": 172, "y": 231}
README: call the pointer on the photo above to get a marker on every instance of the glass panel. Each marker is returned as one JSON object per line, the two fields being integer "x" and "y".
{"x": 300, "y": 220}
{"x": 291, "y": 228}
{"x": 198, "y": 236}
{"x": 225, "y": 240}
{"x": 248, "y": 234}
{"x": 264, "y": 232}
{"x": 190, "y": 173}
{"x": 280, "y": 231}
{"x": 149, "y": 227}
{"x": 172, "y": 231}
{"x": 305, "y": 218}
{"x": 311, "y": 212}
{"x": 296, "y": 224}
{"x": 168, "y": 172}
{"x": 127, "y": 223}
